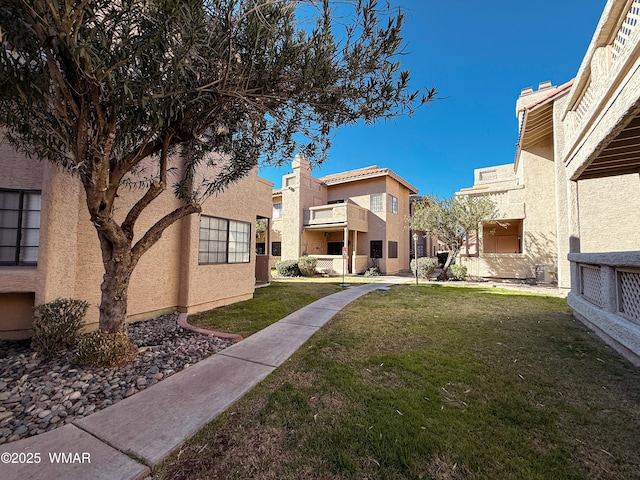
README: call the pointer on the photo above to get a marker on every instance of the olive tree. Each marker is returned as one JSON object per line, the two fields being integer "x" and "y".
{"x": 114, "y": 90}
{"x": 451, "y": 220}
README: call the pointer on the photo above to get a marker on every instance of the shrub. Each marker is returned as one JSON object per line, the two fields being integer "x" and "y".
{"x": 458, "y": 272}
{"x": 426, "y": 267}
{"x": 373, "y": 271}
{"x": 307, "y": 265}
{"x": 102, "y": 349}
{"x": 288, "y": 268}
{"x": 57, "y": 324}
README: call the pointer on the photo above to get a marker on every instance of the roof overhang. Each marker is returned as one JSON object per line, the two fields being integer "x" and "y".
{"x": 619, "y": 155}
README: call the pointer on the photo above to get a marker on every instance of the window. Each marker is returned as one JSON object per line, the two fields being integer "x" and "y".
{"x": 19, "y": 227}
{"x": 375, "y": 202}
{"x": 334, "y": 248}
{"x": 393, "y": 249}
{"x": 239, "y": 241}
{"x": 393, "y": 204}
{"x": 333, "y": 202}
{"x": 277, "y": 210}
{"x": 503, "y": 237}
{"x": 276, "y": 249}
{"x": 223, "y": 241}
{"x": 375, "y": 249}
{"x": 260, "y": 248}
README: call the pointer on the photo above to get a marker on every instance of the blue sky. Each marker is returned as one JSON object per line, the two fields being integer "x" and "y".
{"x": 479, "y": 55}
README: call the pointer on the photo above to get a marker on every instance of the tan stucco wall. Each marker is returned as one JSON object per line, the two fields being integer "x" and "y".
{"x": 525, "y": 191}
{"x": 168, "y": 275}
{"x": 608, "y": 210}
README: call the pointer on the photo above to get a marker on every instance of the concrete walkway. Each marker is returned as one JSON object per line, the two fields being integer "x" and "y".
{"x": 124, "y": 440}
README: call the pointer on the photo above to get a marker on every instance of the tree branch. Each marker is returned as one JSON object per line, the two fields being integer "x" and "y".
{"x": 155, "y": 232}
{"x": 156, "y": 188}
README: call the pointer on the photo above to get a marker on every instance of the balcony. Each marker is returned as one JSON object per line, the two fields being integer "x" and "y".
{"x": 339, "y": 215}
{"x": 602, "y": 119}
{"x": 605, "y": 295}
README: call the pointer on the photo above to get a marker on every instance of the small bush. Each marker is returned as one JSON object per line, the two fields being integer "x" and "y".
{"x": 426, "y": 267}
{"x": 373, "y": 271}
{"x": 458, "y": 272}
{"x": 288, "y": 268}
{"x": 307, "y": 265}
{"x": 57, "y": 324}
{"x": 102, "y": 349}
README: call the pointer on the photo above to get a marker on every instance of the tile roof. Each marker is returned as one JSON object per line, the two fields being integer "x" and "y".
{"x": 363, "y": 173}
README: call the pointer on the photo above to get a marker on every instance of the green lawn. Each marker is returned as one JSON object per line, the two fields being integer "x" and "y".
{"x": 268, "y": 305}
{"x": 433, "y": 382}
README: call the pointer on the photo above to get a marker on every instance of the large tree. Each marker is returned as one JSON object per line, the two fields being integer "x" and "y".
{"x": 108, "y": 88}
{"x": 452, "y": 220}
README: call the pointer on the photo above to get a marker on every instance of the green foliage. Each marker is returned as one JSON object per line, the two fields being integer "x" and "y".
{"x": 241, "y": 78}
{"x": 307, "y": 265}
{"x": 373, "y": 271}
{"x": 268, "y": 305}
{"x": 401, "y": 385}
{"x": 115, "y": 91}
{"x": 102, "y": 349}
{"x": 261, "y": 229}
{"x": 426, "y": 267}
{"x": 458, "y": 272}
{"x": 57, "y": 324}
{"x": 288, "y": 268}
{"x": 453, "y": 219}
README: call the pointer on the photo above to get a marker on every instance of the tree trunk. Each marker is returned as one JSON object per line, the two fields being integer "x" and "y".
{"x": 452, "y": 254}
{"x": 118, "y": 267}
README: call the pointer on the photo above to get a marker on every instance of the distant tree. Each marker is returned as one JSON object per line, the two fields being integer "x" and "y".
{"x": 115, "y": 90}
{"x": 452, "y": 220}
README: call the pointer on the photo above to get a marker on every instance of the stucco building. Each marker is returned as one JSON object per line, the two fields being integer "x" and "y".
{"x": 574, "y": 189}
{"x": 49, "y": 249}
{"x": 349, "y": 221}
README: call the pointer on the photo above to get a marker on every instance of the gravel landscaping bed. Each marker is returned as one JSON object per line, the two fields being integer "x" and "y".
{"x": 38, "y": 394}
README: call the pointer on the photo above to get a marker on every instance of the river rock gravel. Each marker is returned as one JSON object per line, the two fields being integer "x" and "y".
{"x": 39, "y": 394}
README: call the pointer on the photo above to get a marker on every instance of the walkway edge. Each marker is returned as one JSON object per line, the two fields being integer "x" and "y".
{"x": 139, "y": 432}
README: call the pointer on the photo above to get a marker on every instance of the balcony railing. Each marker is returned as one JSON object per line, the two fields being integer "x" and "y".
{"x": 605, "y": 293}
{"x": 340, "y": 214}
{"x": 606, "y": 65}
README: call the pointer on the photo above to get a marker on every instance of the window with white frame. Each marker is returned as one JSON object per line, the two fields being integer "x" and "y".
{"x": 239, "y": 242}
{"x": 277, "y": 210}
{"x": 393, "y": 204}
{"x": 223, "y": 241}
{"x": 19, "y": 227}
{"x": 375, "y": 202}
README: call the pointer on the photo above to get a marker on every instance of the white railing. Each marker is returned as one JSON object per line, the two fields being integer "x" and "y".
{"x": 605, "y": 294}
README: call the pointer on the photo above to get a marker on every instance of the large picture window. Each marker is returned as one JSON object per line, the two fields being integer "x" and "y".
{"x": 223, "y": 241}
{"x": 19, "y": 227}
{"x": 375, "y": 202}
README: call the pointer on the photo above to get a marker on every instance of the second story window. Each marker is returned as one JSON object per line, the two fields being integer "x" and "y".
{"x": 393, "y": 204}
{"x": 375, "y": 202}
{"x": 277, "y": 210}
{"x": 19, "y": 227}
